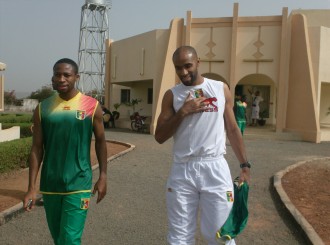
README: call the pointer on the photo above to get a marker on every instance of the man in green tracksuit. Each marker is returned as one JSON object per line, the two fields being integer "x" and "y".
{"x": 62, "y": 134}
{"x": 240, "y": 112}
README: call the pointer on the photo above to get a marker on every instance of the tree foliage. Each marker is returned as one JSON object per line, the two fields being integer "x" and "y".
{"x": 41, "y": 94}
{"x": 133, "y": 103}
{"x": 10, "y": 97}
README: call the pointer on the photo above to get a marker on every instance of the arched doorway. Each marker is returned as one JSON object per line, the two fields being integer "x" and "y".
{"x": 266, "y": 86}
{"x": 215, "y": 76}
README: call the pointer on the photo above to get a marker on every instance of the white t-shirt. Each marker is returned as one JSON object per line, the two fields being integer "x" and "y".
{"x": 256, "y": 101}
{"x": 200, "y": 135}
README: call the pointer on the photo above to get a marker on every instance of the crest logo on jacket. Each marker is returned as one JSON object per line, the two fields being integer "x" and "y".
{"x": 211, "y": 107}
{"x": 80, "y": 114}
{"x": 84, "y": 203}
{"x": 210, "y": 104}
{"x": 230, "y": 196}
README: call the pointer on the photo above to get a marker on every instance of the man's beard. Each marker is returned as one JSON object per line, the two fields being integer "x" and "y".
{"x": 193, "y": 78}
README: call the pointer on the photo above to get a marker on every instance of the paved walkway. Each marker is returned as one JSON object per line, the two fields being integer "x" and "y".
{"x": 134, "y": 210}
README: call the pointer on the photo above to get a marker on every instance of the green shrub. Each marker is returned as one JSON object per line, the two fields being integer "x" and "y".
{"x": 16, "y": 118}
{"x": 26, "y": 130}
{"x": 14, "y": 154}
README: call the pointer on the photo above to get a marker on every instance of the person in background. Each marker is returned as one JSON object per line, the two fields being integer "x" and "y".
{"x": 108, "y": 118}
{"x": 256, "y": 99}
{"x": 240, "y": 112}
{"x": 62, "y": 134}
{"x": 196, "y": 113}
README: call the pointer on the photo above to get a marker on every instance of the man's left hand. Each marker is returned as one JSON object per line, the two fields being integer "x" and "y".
{"x": 244, "y": 176}
{"x": 101, "y": 188}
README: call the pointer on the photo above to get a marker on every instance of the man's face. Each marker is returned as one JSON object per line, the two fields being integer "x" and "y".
{"x": 64, "y": 78}
{"x": 186, "y": 65}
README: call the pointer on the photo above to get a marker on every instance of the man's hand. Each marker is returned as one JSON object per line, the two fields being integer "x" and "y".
{"x": 29, "y": 200}
{"x": 193, "y": 105}
{"x": 101, "y": 188}
{"x": 245, "y": 176}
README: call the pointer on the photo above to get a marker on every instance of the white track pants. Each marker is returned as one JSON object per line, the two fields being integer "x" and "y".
{"x": 204, "y": 184}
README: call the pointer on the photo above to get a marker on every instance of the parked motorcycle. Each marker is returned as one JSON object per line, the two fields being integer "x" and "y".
{"x": 138, "y": 122}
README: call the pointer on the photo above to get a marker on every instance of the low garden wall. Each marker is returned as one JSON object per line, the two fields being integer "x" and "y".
{"x": 9, "y": 134}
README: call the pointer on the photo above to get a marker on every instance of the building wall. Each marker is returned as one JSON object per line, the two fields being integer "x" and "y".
{"x": 289, "y": 54}
{"x": 128, "y": 64}
{"x": 9, "y": 134}
{"x": 167, "y": 78}
{"x": 214, "y": 59}
{"x": 302, "y": 84}
{"x": 256, "y": 56}
{"x": 324, "y": 54}
{"x": 137, "y": 64}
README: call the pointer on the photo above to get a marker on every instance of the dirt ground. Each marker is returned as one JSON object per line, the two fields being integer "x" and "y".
{"x": 308, "y": 188}
{"x": 14, "y": 184}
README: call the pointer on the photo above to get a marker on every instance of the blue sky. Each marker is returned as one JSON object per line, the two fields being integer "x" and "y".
{"x": 34, "y": 34}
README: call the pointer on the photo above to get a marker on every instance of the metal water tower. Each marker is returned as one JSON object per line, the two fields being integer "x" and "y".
{"x": 94, "y": 30}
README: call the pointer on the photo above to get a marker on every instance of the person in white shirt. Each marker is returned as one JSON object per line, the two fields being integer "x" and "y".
{"x": 198, "y": 113}
{"x": 256, "y": 99}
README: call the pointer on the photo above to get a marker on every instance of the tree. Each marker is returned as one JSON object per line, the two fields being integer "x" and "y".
{"x": 116, "y": 113}
{"x": 41, "y": 94}
{"x": 10, "y": 97}
{"x": 133, "y": 103}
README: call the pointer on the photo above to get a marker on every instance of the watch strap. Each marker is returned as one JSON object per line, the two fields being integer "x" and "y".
{"x": 245, "y": 165}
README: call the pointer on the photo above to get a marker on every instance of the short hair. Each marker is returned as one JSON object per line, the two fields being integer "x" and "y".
{"x": 67, "y": 61}
{"x": 190, "y": 49}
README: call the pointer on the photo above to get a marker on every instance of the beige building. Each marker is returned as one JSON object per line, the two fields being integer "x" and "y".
{"x": 286, "y": 57}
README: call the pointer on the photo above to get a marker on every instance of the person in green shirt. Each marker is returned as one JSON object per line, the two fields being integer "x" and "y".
{"x": 240, "y": 112}
{"x": 62, "y": 134}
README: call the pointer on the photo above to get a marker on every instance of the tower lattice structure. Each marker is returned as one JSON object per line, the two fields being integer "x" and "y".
{"x": 94, "y": 30}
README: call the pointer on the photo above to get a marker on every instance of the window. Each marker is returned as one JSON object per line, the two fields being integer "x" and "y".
{"x": 125, "y": 95}
{"x": 150, "y": 94}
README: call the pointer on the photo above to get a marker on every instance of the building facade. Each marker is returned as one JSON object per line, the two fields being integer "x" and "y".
{"x": 285, "y": 57}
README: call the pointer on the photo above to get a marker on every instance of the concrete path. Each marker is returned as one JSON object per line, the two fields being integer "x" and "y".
{"x": 134, "y": 210}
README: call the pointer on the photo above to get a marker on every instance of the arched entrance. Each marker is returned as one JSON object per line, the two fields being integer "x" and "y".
{"x": 215, "y": 76}
{"x": 266, "y": 86}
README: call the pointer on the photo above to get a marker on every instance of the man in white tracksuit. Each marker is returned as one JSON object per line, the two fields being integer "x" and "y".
{"x": 198, "y": 113}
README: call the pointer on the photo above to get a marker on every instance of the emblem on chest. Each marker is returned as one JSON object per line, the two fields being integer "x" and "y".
{"x": 80, "y": 114}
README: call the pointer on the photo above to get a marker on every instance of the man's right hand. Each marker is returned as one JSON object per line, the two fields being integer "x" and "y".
{"x": 29, "y": 200}
{"x": 192, "y": 105}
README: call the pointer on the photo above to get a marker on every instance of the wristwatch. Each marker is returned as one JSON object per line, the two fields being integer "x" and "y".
{"x": 245, "y": 165}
